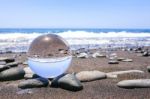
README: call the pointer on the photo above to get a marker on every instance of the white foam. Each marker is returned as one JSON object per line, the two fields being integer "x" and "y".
{"x": 84, "y": 34}
{"x": 21, "y": 41}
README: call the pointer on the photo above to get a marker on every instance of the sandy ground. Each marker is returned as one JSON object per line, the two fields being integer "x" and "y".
{"x": 100, "y": 89}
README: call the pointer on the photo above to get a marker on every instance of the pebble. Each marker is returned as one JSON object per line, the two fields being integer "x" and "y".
{"x": 82, "y": 55}
{"x": 113, "y": 62}
{"x": 25, "y": 63}
{"x": 85, "y": 76}
{"x": 12, "y": 74}
{"x": 137, "y": 83}
{"x": 28, "y": 70}
{"x": 127, "y": 60}
{"x": 33, "y": 83}
{"x": 29, "y": 74}
{"x": 68, "y": 82}
{"x": 120, "y": 58}
{"x": 98, "y": 55}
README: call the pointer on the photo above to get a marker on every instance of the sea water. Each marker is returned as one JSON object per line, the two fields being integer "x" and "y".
{"x": 18, "y": 40}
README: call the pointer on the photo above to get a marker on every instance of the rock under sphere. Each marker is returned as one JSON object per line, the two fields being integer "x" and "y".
{"x": 68, "y": 82}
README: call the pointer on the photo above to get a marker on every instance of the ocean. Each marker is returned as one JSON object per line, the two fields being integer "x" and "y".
{"x": 18, "y": 40}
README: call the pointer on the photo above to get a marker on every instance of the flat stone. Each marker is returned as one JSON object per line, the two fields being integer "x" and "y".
{"x": 124, "y": 72}
{"x": 33, "y": 83}
{"x": 98, "y": 55}
{"x": 120, "y": 58}
{"x": 85, "y": 76}
{"x": 138, "y": 83}
{"x": 127, "y": 60}
{"x": 82, "y": 55}
{"x": 68, "y": 82}
{"x": 113, "y": 62}
{"x": 12, "y": 74}
{"x": 7, "y": 59}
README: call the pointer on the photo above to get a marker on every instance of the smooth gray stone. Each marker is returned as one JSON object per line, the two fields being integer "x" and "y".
{"x": 34, "y": 83}
{"x": 7, "y": 59}
{"x": 138, "y": 83}
{"x": 12, "y": 74}
{"x": 85, "y": 76}
{"x": 127, "y": 60}
{"x": 2, "y": 63}
{"x": 98, "y": 55}
{"x": 113, "y": 62}
{"x": 120, "y": 58}
{"x": 125, "y": 72}
{"x": 68, "y": 82}
{"x": 82, "y": 55}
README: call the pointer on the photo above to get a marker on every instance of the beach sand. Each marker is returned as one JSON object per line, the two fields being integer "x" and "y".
{"x": 99, "y": 89}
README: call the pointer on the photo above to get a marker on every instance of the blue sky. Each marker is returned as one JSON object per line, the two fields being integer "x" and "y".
{"x": 74, "y": 13}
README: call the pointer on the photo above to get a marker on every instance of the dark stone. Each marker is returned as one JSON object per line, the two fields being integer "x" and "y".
{"x": 12, "y": 74}
{"x": 13, "y": 64}
{"x": 113, "y": 62}
{"x": 146, "y": 54}
{"x": 33, "y": 83}
{"x": 8, "y": 65}
{"x": 3, "y": 67}
{"x": 68, "y": 82}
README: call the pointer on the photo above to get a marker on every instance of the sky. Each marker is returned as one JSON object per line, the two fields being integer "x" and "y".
{"x": 74, "y": 13}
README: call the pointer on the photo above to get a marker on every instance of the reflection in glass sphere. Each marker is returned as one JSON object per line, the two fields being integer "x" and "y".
{"x": 49, "y": 56}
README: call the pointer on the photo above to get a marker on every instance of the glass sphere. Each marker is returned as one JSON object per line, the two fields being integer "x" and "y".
{"x": 49, "y": 56}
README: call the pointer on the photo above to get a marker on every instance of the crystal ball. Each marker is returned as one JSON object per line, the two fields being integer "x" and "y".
{"x": 49, "y": 56}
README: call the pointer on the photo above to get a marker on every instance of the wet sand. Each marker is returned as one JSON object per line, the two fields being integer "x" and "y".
{"x": 99, "y": 89}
